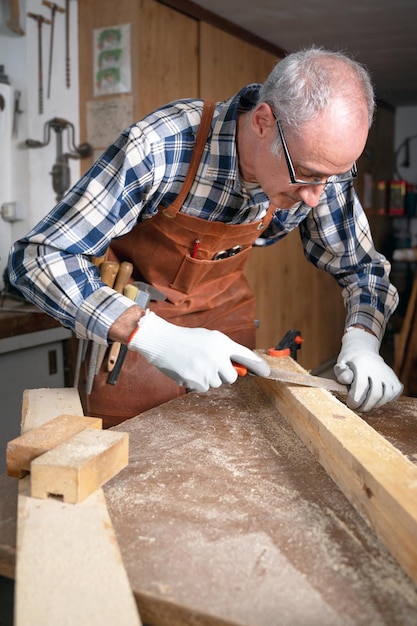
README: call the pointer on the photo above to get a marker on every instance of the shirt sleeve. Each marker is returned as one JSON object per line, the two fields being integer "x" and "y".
{"x": 336, "y": 238}
{"x": 52, "y": 265}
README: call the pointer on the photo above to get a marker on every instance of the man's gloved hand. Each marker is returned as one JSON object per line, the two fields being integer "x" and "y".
{"x": 196, "y": 358}
{"x": 373, "y": 382}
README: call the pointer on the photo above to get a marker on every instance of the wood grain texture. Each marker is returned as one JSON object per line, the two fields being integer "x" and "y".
{"x": 21, "y": 451}
{"x": 80, "y": 465}
{"x": 227, "y": 63}
{"x": 68, "y": 565}
{"x": 167, "y": 56}
{"x": 378, "y": 480}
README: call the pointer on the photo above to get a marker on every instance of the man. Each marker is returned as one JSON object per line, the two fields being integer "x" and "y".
{"x": 186, "y": 212}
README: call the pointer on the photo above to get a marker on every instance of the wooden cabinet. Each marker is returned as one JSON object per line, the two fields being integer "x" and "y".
{"x": 28, "y": 361}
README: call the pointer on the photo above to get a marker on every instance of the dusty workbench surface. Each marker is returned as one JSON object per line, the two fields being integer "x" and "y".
{"x": 224, "y": 517}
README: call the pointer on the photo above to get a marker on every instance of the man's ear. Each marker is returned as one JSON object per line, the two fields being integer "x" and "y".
{"x": 262, "y": 119}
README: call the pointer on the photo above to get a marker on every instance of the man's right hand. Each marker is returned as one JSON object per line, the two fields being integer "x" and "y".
{"x": 196, "y": 358}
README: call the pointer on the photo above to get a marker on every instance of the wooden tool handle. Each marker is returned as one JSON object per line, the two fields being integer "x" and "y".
{"x": 130, "y": 291}
{"x": 108, "y": 272}
{"x": 123, "y": 275}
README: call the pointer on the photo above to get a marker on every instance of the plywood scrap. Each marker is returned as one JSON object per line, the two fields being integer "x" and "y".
{"x": 24, "y": 449}
{"x": 378, "y": 480}
{"x": 80, "y": 465}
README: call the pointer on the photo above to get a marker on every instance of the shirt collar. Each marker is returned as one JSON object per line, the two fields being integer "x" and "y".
{"x": 223, "y": 162}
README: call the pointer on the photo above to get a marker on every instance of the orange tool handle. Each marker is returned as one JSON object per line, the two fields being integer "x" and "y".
{"x": 241, "y": 369}
{"x": 278, "y": 353}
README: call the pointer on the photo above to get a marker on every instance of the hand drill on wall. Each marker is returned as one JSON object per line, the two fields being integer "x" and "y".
{"x": 61, "y": 177}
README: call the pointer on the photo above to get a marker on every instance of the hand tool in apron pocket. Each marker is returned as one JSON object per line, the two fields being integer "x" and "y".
{"x": 108, "y": 272}
{"x": 123, "y": 276}
{"x": 144, "y": 295}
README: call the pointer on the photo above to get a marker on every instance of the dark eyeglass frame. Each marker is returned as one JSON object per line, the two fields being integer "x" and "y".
{"x": 337, "y": 178}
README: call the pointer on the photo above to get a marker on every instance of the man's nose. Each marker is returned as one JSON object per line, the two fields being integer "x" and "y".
{"x": 310, "y": 194}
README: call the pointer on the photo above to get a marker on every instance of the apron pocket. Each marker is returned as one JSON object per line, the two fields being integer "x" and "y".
{"x": 195, "y": 272}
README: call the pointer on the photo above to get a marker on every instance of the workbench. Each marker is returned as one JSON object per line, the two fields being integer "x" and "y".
{"x": 224, "y": 517}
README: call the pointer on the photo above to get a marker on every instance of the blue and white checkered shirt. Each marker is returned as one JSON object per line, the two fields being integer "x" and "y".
{"x": 145, "y": 169}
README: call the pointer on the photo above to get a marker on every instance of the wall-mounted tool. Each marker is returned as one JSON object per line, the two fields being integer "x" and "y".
{"x": 54, "y": 9}
{"x": 40, "y": 20}
{"x": 16, "y": 112}
{"x": 67, "y": 44}
{"x": 61, "y": 179}
{"x": 14, "y": 21}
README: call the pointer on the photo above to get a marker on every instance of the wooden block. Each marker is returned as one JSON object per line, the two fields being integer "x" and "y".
{"x": 80, "y": 465}
{"x": 24, "y": 449}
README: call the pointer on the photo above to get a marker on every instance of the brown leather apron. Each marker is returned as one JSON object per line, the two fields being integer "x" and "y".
{"x": 200, "y": 291}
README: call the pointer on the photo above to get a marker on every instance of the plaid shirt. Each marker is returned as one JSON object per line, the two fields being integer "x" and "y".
{"x": 145, "y": 169}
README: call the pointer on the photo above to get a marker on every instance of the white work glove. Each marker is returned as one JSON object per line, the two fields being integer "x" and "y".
{"x": 196, "y": 358}
{"x": 372, "y": 382}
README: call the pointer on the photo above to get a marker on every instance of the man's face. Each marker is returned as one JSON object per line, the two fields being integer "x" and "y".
{"x": 329, "y": 145}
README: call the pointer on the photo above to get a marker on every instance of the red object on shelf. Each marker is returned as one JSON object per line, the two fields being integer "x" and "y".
{"x": 396, "y": 202}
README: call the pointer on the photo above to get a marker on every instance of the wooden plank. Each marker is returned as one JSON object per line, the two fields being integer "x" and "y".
{"x": 378, "y": 480}
{"x": 21, "y": 451}
{"x": 79, "y": 466}
{"x": 68, "y": 565}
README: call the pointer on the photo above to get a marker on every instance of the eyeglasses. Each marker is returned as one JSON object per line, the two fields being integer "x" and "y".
{"x": 337, "y": 178}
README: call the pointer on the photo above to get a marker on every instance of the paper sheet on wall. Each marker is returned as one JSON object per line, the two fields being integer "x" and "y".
{"x": 111, "y": 58}
{"x": 107, "y": 118}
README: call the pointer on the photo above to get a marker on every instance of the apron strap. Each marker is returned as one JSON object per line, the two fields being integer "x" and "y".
{"x": 203, "y": 131}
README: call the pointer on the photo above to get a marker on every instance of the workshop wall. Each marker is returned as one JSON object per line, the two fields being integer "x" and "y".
{"x": 25, "y": 177}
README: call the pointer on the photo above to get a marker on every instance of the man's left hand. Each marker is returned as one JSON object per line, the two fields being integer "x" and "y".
{"x": 372, "y": 382}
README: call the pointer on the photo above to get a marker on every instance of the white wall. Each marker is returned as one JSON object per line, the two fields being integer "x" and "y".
{"x": 406, "y": 126}
{"x": 27, "y": 179}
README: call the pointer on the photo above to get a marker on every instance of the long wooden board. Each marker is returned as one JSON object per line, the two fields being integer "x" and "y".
{"x": 68, "y": 565}
{"x": 378, "y": 480}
